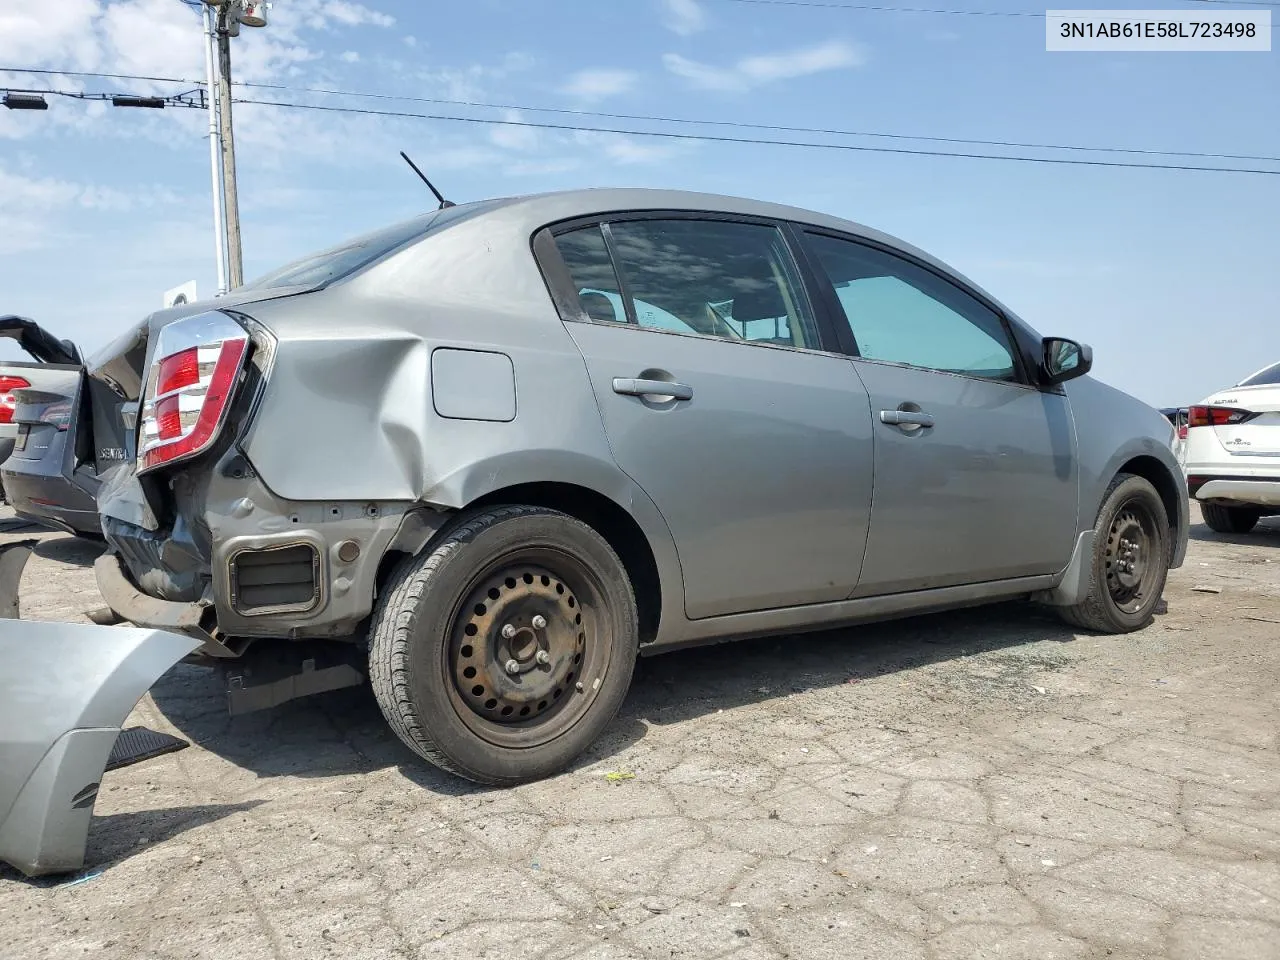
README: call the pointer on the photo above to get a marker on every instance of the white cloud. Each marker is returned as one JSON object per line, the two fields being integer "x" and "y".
{"x": 349, "y": 56}
{"x": 522, "y": 139}
{"x": 37, "y": 211}
{"x": 626, "y": 151}
{"x": 356, "y": 15}
{"x": 684, "y": 17}
{"x": 326, "y": 15}
{"x": 30, "y": 32}
{"x": 758, "y": 70}
{"x": 595, "y": 85}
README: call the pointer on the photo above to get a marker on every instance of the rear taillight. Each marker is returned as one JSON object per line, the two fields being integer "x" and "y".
{"x": 193, "y": 376}
{"x": 1217, "y": 416}
{"x": 57, "y": 415}
{"x": 1182, "y": 431}
{"x": 7, "y": 401}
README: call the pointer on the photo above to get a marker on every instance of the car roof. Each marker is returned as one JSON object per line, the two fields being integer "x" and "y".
{"x": 544, "y": 208}
{"x": 591, "y": 201}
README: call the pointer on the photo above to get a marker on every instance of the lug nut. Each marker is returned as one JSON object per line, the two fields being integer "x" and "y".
{"x": 513, "y": 667}
{"x": 579, "y": 687}
{"x": 508, "y": 631}
{"x": 543, "y": 657}
{"x": 539, "y": 622}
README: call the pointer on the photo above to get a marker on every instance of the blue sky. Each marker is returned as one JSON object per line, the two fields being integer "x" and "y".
{"x": 1173, "y": 277}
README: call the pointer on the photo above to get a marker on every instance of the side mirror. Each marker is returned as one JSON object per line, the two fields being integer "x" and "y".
{"x": 1064, "y": 360}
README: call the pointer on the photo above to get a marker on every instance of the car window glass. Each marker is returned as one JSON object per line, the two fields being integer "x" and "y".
{"x": 905, "y": 314}
{"x": 730, "y": 280}
{"x": 1268, "y": 376}
{"x": 587, "y": 257}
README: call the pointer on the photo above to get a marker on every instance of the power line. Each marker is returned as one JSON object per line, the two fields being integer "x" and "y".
{"x": 880, "y": 8}
{"x": 776, "y": 128}
{"x": 873, "y": 8}
{"x": 710, "y": 138}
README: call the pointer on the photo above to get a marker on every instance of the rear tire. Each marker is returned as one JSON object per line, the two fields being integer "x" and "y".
{"x": 503, "y": 650}
{"x": 1230, "y": 519}
{"x": 1130, "y": 560}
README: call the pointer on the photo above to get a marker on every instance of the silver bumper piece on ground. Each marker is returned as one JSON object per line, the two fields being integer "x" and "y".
{"x": 65, "y": 691}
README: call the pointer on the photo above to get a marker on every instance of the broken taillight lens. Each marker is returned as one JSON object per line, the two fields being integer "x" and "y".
{"x": 8, "y": 403}
{"x": 193, "y": 376}
{"x": 1217, "y": 416}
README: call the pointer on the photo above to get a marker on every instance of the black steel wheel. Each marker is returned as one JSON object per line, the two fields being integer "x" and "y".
{"x": 505, "y": 648}
{"x": 527, "y": 645}
{"x": 1131, "y": 555}
{"x": 1131, "y": 568}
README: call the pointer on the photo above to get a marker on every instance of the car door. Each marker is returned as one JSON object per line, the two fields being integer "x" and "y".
{"x": 722, "y": 399}
{"x": 975, "y": 468}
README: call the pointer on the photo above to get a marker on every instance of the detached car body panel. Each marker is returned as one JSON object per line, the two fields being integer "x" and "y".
{"x": 65, "y": 692}
{"x": 776, "y": 479}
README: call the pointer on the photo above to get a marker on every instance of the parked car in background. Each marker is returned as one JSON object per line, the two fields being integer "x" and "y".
{"x": 506, "y": 446}
{"x": 1177, "y": 416}
{"x": 51, "y": 359}
{"x": 66, "y": 427}
{"x": 1233, "y": 453}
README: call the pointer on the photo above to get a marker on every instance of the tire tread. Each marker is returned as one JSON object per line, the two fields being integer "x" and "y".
{"x": 1092, "y": 613}
{"x": 394, "y": 621}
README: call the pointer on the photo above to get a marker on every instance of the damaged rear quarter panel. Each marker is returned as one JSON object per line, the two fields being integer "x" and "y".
{"x": 348, "y": 414}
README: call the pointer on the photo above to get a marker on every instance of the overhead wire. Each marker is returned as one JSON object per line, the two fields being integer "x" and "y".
{"x": 688, "y": 121}
{"x": 712, "y": 138}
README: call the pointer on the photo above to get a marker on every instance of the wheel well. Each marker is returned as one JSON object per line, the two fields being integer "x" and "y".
{"x": 611, "y": 522}
{"x": 1157, "y": 474}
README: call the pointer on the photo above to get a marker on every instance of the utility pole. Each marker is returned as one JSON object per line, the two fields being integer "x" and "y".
{"x": 215, "y": 149}
{"x": 231, "y": 199}
{"x": 227, "y": 16}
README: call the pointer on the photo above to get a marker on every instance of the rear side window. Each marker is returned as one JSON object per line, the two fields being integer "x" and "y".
{"x": 735, "y": 281}
{"x": 1271, "y": 375}
{"x": 587, "y": 256}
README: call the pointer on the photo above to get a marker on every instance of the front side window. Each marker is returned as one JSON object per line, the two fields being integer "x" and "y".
{"x": 902, "y": 313}
{"x": 715, "y": 278}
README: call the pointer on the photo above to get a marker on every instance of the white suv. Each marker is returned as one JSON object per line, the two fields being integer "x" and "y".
{"x": 1233, "y": 453}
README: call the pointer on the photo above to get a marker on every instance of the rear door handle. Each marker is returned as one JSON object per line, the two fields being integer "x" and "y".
{"x": 632, "y": 387}
{"x": 906, "y": 418}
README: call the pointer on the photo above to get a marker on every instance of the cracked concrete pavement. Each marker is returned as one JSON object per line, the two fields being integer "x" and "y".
{"x": 977, "y": 784}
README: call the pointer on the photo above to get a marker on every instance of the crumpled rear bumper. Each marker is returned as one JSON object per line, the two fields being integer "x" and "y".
{"x": 65, "y": 691}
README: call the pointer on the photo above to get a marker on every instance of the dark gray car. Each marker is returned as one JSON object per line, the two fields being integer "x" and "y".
{"x": 508, "y": 445}
{"x": 39, "y": 408}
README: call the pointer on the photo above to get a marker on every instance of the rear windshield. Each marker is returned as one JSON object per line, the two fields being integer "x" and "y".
{"x": 337, "y": 262}
{"x": 1267, "y": 376}
{"x": 325, "y": 267}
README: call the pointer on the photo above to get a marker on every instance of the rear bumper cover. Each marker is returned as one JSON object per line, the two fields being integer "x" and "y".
{"x": 50, "y": 499}
{"x": 1256, "y": 492}
{"x": 65, "y": 691}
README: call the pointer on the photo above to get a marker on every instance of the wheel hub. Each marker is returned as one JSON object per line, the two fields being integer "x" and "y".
{"x": 517, "y": 645}
{"x": 1127, "y": 557}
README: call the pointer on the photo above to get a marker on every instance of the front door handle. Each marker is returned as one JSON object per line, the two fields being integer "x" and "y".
{"x": 906, "y": 418}
{"x": 631, "y": 387}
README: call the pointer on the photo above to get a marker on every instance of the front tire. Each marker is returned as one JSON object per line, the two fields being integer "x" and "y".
{"x": 503, "y": 650}
{"x": 1229, "y": 519}
{"x": 1130, "y": 559}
